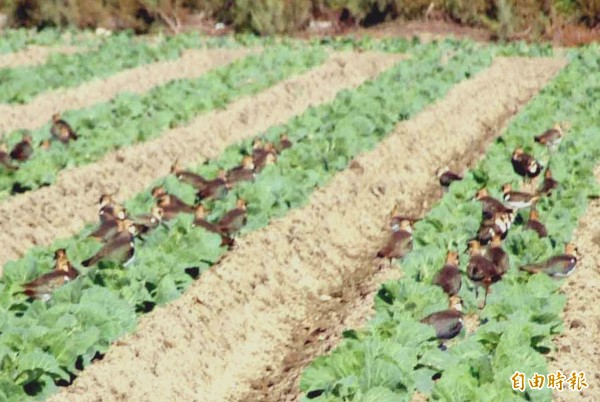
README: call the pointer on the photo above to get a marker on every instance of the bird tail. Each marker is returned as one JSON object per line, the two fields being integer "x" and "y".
{"x": 538, "y": 139}
{"x": 227, "y": 241}
{"x": 30, "y": 291}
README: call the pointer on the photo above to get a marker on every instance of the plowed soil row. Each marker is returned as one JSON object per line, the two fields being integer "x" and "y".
{"x": 36, "y": 113}
{"x": 38, "y": 217}
{"x": 247, "y": 326}
{"x": 33, "y": 55}
{"x": 578, "y": 348}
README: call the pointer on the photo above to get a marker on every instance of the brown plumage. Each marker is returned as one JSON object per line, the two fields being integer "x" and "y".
{"x": 559, "y": 266}
{"x": 399, "y": 243}
{"x": 525, "y": 165}
{"x": 535, "y": 224}
{"x": 548, "y": 184}
{"x": 172, "y": 206}
{"x": 119, "y": 248}
{"x": 244, "y": 172}
{"x": 490, "y": 206}
{"x": 234, "y": 220}
{"x": 61, "y": 130}
{"x": 42, "y": 287}
{"x": 447, "y": 177}
{"x": 200, "y": 221}
{"x": 446, "y": 323}
{"x": 498, "y": 256}
{"x": 145, "y": 223}
{"x": 480, "y": 270}
{"x": 214, "y": 189}
{"x": 22, "y": 150}
{"x": 5, "y": 159}
{"x": 263, "y": 155}
{"x": 551, "y": 138}
{"x": 396, "y": 217}
{"x": 184, "y": 176}
{"x": 517, "y": 199}
{"x": 449, "y": 277}
{"x": 283, "y": 144}
{"x": 108, "y": 209}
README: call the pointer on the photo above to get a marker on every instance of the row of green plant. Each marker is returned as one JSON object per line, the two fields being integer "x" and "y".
{"x": 112, "y": 54}
{"x": 101, "y": 305}
{"x": 13, "y": 40}
{"x": 131, "y": 118}
{"x": 396, "y": 355}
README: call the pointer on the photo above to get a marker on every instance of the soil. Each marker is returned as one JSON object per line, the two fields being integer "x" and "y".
{"x": 39, "y": 217}
{"x": 247, "y": 327}
{"x": 36, "y": 113}
{"x": 33, "y": 55}
{"x": 578, "y": 348}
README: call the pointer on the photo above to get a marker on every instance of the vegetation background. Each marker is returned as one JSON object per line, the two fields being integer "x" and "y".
{"x": 505, "y": 19}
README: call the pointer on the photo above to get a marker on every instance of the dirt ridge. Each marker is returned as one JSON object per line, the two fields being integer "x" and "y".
{"x": 191, "y": 64}
{"x": 32, "y": 55}
{"x": 38, "y": 217}
{"x": 244, "y": 334}
{"x": 578, "y": 347}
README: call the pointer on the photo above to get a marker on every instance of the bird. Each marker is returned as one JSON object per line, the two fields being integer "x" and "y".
{"x": 480, "y": 270}
{"x": 146, "y": 222}
{"x": 5, "y": 159}
{"x": 559, "y": 266}
{"x": 283, "y": 144}
{"x": 449, "y": 277}
{"x": 109, "y": 224}
{"x": 535, "y": 225}
{"x": 551, "y": 137}
{"x": 234, "y": 220}
{"x": 108, "y": 209}
{"x": 184, "y": 176}
{"x": 525, "y": 165}
{"x": 446, "y": 323}
{"x": 498, "y": 224}
{"x": 396, "y": 217}
{"x": 548, "y": 184}
{"x": 491, "y": 206}
{"x": 516, "y": 199}
{"x": 171, "y": 205}
{"x": 263, "y": 155}
{"x": 23, "y": 149}
{"x": 498, "y": 256}
{"x": 214, "y": 189}
{"x": 399, "y": 244}
{"x": 63, "y": 272}
{"x": 244, "y": 172}
{"x": 119, "y": 248}
{"x": 61, "y": 130}
{"x": 447, "y": 177}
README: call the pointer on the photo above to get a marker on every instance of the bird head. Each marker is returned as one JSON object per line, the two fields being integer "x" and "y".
{"x": 200, "y": 212}
{"x": 517, "y": 152}
{"x": 269, "y": 147}
{"x": 571, "y": 249}
{"x": 163, "y": 200}
{"x": 270, "y": 159}
{"x": 452, "y": 257}
{"x": 284, "y": 137}
{"x": 248, "y": 162}
{"x": 481, "y": 194}
{"x": 441, "y": 171}
{"x": 558, "y": 127}
{"x": 534, "y": 215}
{"x": 257, "y": 144}
{"x": 56, "y": 117}
{"x": 105, "y": 199}
{"x": 406, "y": 225}
{"x": 157, "y": 213}
{"x": 474, "y": 247}
{"x": 456, "y": 303}
{"x": 548, "y": 173}
{"x": 241, "y": 204}
{"x": 158, "y": 191}
{"x": 222, "y": 174}
{"x": 3, "y": 147}
{"x": 176, "y": 167}
{"x": 496, "y": 240}
{"x": 506, "y": 188}
{"x": 27, "y": 138}
{"x": 62, "y": 262}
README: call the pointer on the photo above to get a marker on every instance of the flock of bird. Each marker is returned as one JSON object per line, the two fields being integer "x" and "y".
{"x": 488, "y": 261}
{"x": 60, "y": 131}
{"x": 117, "y": 230}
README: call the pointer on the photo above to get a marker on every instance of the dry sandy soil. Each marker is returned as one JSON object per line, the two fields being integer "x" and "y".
{"x": 39, "y": 217}
{"x": 578, "y": 348}
{"x": 248, "y": 326}
{"x": 193, "y": 63}
{"x": 33, "y": 55}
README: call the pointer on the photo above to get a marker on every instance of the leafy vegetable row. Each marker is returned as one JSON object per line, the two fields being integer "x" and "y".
{"x": 101, "y": 304}
{"x": 397, "y": 355}
{"x": 132, "y": 118}
{"x": 13, "y": 40}
{"x": 115, "y": 53}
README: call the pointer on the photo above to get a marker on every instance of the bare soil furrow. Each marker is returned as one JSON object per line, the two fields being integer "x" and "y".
{"x": 578, "y": 348}
{"x": 38, "y": 217}
{"x": 245, "y": 329}
{"x": 36, "y": 113}
{"x": 33, "y": 55}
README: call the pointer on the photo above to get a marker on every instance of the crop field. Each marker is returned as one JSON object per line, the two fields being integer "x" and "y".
{"x": 204, "y": 219}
